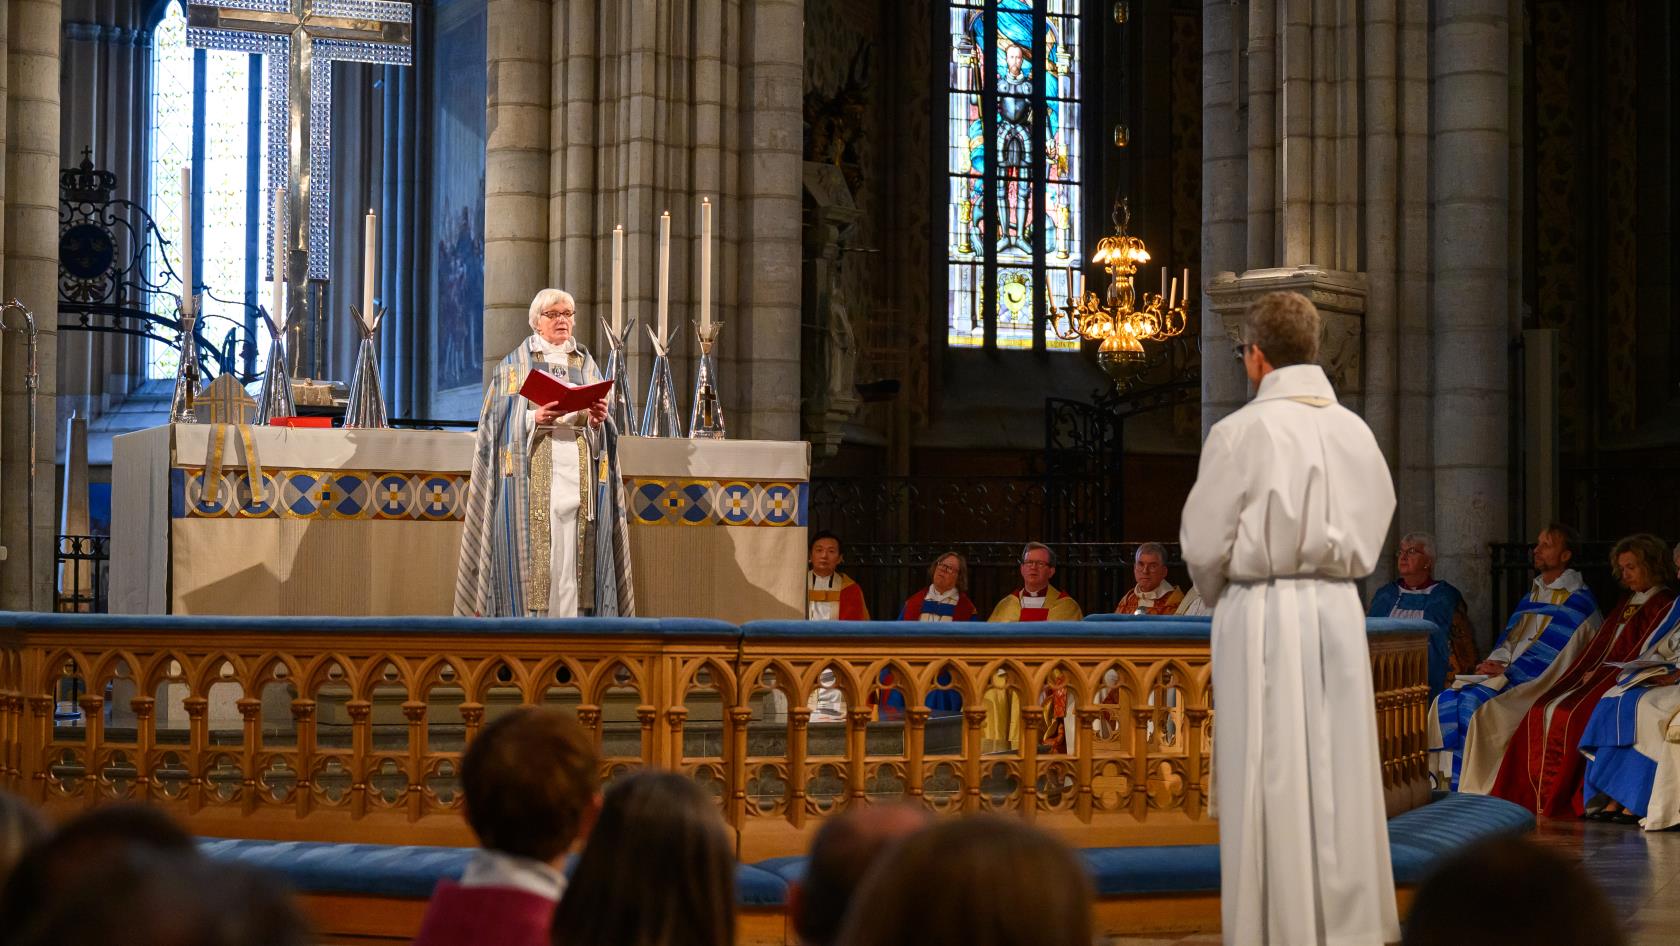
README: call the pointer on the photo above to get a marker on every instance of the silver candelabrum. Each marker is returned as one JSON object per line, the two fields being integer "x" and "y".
{"x": 705, "y": 417}
{"x": 659, "y": 411}
{"x": 621, "y": 406}
{"x": 366, "y": 405}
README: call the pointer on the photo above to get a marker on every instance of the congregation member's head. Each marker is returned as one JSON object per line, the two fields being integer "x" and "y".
{"x": 63, "y": 858}
{"x": 554, "y": 315}
{"x": 1554, "y": 549}
{"x": 659, "y": 870}
{"x": 1560, "y": 904}
{"x": 980, "y": 880}
{"x": 1414, "y": 560}
{"x": 1280, "y": 329}
{"x": 949, "y": 571}
{"x": 149, "y": 897}
{"x": 826, "y": 554}
{"x": 1038, "y": 566}
{"x": 1149, "y": 566}
{"x": 531, "y": 784}
{"x": 21, "y": 827}
{"x": 1641, "y": 562}
{"x": 846, "y": 847}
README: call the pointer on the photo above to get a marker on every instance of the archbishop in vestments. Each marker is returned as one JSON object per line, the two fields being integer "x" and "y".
{"x": 545, "y": 534}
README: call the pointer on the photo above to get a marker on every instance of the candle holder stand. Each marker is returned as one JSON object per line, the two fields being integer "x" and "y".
{"x": 183, "y": 403}
{"x": 659, "y": 411}
{"x": 621, "y": 406}
{"x": 705, "y": 418}
{"x": 366, "y": 405}
{"x": 275, "y": 398}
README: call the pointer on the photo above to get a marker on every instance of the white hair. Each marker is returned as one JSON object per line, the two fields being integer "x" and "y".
{"x": 1152, "y": 548}
{"x": 1423, "y": 539}
{"x": 546, "y": 298}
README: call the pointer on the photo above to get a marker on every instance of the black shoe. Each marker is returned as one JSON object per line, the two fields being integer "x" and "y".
{"x": 1625, "y": 817}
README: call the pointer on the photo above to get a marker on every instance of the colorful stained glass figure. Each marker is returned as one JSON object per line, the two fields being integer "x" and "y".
{"x": 223, "y": 178}
{"x": 1033, "y": 220}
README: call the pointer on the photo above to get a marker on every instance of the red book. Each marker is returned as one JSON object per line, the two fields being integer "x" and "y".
{"x": 300, "y": 422}
{"x": 541, "y": 388}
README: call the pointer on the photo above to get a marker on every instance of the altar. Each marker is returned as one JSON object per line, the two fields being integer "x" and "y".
{"x": 368, "y": 522}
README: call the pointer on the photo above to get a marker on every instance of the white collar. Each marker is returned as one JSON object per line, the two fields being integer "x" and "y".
{"x": 1640, "y": 597}
{"x": 1305, "y": 381}
{"x": 1161, "y": 591}
{"x": 497, "y": 869}
{"x": 948, "y": 597}
{"x": 541, "y": 346}
{"x": 828, "y": 582}
{"x": 1570, "y": 580}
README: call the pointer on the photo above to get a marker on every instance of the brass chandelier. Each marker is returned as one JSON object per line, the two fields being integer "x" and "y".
{"x": 1117, "y": 321}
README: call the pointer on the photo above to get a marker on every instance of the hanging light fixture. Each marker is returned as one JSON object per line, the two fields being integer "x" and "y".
{"x": 1123, "y": 321}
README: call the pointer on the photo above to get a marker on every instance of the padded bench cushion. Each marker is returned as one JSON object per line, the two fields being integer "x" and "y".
{"x": 409, "y": 872}
{"x": 1418, "y": 840}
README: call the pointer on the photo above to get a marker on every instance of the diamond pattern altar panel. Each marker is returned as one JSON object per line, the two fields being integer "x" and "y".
{"x": 339, "y": 522}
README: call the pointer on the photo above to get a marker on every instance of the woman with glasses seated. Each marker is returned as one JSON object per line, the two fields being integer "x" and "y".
{"x": 946, "y": 598}
{"x": 545, "y": 533}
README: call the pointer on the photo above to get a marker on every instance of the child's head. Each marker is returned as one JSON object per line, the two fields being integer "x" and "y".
{"x": 531, "y": 781}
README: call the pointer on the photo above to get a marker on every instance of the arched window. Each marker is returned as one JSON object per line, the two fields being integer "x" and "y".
{"x": 1015, "y": 159}
{"x": 207, "y": 114}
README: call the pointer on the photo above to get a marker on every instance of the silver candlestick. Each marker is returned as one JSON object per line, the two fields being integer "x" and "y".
{"x": 659, "y": 411}
{"x": 275, "y": 398}
{"x": 366, "y": 406}
{"x": 621, "y": 406}
{"x": 705, "y": 417}
{"x": 183, "y": 403}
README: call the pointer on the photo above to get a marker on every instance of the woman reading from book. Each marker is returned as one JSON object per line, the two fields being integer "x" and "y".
{"x": 545, "y": 533}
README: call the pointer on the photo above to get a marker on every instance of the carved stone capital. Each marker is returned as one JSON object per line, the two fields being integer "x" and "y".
{"x": 1339, "y": 297}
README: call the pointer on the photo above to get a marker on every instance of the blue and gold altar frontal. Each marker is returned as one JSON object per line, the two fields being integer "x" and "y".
{"x": 691, "y": 502}
{"x": 319, "y": 494}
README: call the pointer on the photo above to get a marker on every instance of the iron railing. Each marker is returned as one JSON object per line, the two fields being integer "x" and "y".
{"x": 82, "y": 563}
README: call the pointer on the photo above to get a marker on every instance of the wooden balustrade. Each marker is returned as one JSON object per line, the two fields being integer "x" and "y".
{"x": 352, "y": 730}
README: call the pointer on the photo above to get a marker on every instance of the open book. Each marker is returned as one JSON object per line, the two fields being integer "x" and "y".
{"x": 541, "y": 388}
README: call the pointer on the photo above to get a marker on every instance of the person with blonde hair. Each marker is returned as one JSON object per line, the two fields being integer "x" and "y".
{"x": 946, "y": 596}
{"x": 1291, "y": 506}
{"x": 545, "y": 532}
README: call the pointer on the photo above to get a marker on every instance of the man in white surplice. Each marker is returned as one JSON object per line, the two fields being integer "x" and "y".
{"x": 1291, "y": 505}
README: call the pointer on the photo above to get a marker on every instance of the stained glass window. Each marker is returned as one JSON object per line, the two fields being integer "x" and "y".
{"x": 1014, "y": 156}
{"x": 201, "y": 117}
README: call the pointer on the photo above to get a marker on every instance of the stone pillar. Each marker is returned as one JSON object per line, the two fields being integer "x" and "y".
{"x": 1415, "y": 479}
{"x": 1339, "y": 298}
{"x": 772, "y": 77}
{"x": 31, "y": 276}
{"x": 1381, "y": 198}
{"x": 516, "y": 174}
{"x": 1470, "y": 70}
{"x": 1225, "y": 223}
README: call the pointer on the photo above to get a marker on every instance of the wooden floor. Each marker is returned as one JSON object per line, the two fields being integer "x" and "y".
{"x": 1639, "y": 871}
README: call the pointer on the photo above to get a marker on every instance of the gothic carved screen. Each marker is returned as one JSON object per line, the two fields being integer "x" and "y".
{"x": 1014, "y": 156}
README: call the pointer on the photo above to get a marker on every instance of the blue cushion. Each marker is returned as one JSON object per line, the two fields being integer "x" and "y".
{"x": 755, "y": 887}
{"x": 1420, "y": 839}
{"x": 417, "y": 624}
{"x": 790, "y": 869}
{"x": 1173, "y": 868}
{"x": 376, "y": 870}
{"x": 1191, "y": 629}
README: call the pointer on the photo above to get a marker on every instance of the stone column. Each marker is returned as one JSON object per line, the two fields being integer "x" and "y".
{"x": 1224, "y": 201}
{"x": 1382, "y": 164}
{"x": 772, "y": 76}
{"x": 30, "y": 275}
{"x": 1471, "y": 70}
{"x": 516, "y": 174}
{"x": 1415, "y": 482}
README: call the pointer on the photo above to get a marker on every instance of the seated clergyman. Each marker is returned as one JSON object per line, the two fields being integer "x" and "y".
{"x": 1418, "y": 594}
{"x": 1153, "y": 593}
{"x": 829, "y": 595}
{"x": 1473, "y": 719}
{"x": 1036, "y": 599}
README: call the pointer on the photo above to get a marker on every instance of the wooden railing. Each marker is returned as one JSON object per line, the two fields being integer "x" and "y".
{"x": 352, "y": 729}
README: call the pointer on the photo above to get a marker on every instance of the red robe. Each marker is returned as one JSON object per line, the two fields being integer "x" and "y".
{"x": 484, "y": 916}
{"x": 846, "y": 594}
{"x": 1543, "y": 767}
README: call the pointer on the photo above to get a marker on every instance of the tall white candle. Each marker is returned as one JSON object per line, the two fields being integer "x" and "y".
{"x": 186, "y": 242}
{"x": 1172, "y": 294}
{"x": 370, "y": 257}
{"x": 276, "y": 309}
{"x": 1163, "y": 285}
{"x": 618, "y": 280}
{"x": 1186, "y": 299}
{"x": 664, "y": 270}
{"x": 705, "y": 264}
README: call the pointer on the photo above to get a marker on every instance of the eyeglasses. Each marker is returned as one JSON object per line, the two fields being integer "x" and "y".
{"x": 567, "y": 314}
{"x": 1032, "y": 564}
{"x": 1241, "y": 350}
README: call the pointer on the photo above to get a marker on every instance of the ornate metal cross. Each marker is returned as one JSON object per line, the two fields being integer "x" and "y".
{"x": 301, "y": 39}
